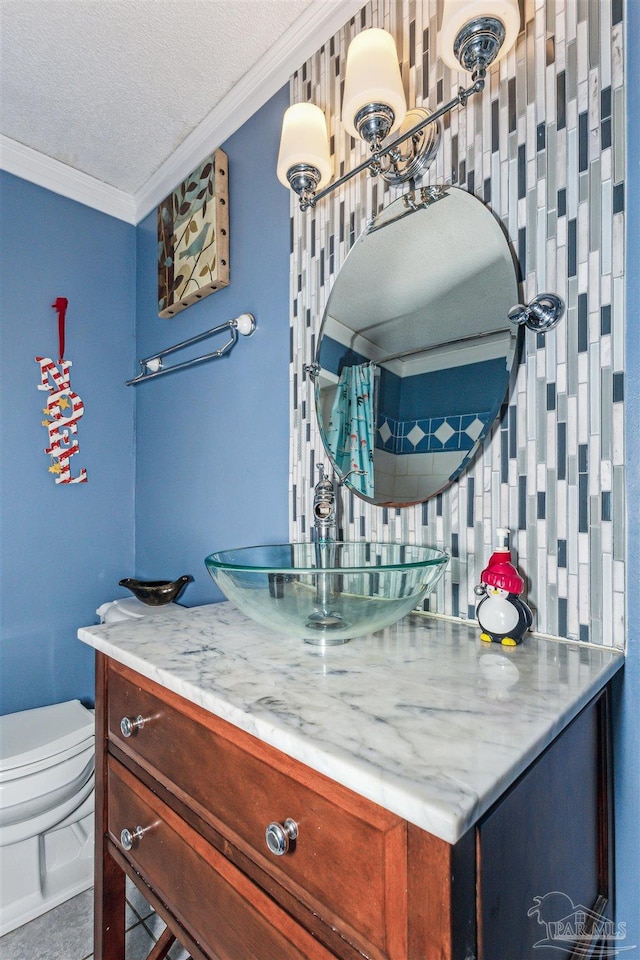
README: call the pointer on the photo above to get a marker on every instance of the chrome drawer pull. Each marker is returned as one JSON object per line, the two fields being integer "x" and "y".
{"x": 280, "y": 836}
{"x": 128, "y": 837}
{"x": 129, "y": 727}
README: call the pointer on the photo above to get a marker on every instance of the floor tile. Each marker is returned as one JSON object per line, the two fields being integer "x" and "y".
{"x": 178, "y": 952}
{"x": 65, "y": 933}
{"x": 156, "y": 925}
{"x": 138, "y": 943}
{"x": 137, "y": 901}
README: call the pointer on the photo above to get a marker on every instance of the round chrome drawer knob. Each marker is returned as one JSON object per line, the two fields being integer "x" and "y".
{"x": 128, "y": 727}
{"x": 279, "y": 836}
{"x": 129, "y": 837}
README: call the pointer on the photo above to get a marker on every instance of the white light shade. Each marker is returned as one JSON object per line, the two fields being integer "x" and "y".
{"x": 372, "y": 76}
{"x": 304, "y": 140}
{"x": 457, "y": 13}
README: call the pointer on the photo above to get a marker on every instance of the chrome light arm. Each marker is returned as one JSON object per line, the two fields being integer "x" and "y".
{"x": 308, "y": 198}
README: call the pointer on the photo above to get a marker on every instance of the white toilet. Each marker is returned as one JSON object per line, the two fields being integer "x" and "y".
{"x": 46, "y": 809}
{"x": 47, "y": 798}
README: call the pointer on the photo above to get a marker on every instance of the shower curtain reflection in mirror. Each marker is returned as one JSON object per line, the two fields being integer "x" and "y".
{"x": 350, "y": 434}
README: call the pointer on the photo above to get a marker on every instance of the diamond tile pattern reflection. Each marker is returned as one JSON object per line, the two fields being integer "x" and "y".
{"x": 416, "y": 434}
{"x": 474, "y": 429}
{"x": 444, "y": 433}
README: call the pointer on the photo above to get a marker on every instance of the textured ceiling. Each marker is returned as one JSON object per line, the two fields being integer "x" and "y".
{"x": 112, "y": 87}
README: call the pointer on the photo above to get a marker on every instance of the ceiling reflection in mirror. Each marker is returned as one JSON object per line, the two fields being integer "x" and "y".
{"x": 415, "y": 349}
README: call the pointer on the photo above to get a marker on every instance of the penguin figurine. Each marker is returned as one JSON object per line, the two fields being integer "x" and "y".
{"x": 502, "y": 615}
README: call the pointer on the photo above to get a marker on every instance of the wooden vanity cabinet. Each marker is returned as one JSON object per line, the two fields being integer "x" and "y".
{"x": 196, "y": 796}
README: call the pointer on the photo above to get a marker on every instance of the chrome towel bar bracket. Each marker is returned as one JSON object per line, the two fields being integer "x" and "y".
{"x": 152, "y": 366}
{"x": 543, "y": 313}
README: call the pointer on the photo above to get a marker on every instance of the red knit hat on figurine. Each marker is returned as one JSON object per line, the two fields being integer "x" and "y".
{"x": 501, "y": 573}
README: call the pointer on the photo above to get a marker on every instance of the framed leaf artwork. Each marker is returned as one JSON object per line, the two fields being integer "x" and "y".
{"x": 193, "y": 237}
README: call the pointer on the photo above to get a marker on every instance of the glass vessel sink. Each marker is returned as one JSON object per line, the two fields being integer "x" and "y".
{"x": 327, "y": 593}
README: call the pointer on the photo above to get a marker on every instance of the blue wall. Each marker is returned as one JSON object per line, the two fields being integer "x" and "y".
{"x": 626, "y": 714}
{"x": 62, "y": 547}
{"x": 213, "y": 441}
{"x": 212, "y": 463}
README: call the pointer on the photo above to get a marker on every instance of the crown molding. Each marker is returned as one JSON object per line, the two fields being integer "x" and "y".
{"x": 29, "y": 164}
{"x": 321, "y": 20}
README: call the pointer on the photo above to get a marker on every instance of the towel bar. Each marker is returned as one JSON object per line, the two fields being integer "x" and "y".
{"x": 152, "y": 366}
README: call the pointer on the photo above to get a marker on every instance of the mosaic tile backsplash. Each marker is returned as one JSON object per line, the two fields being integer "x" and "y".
{"x": 544, "y": 148}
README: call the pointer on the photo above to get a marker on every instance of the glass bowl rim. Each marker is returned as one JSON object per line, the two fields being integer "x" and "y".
{"x": 214, "y": 561}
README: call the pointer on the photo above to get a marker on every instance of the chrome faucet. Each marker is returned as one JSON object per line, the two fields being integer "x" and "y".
{"x": 326, "y": 504}
{"x": 324, "y": 507}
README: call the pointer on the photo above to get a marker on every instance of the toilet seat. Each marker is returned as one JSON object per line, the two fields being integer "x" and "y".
{"x": 35, "y": 740}
{"x": 21, "y": 770}
{"x": 46, "y": 759}
{"x": 37, "y": 814}
{"x": 26, "y": 797}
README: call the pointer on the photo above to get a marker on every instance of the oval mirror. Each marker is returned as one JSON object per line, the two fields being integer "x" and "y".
{"x": 415, "y": 349}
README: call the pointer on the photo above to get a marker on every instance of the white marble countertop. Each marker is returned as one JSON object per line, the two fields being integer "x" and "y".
{"x": 422, "y": 718}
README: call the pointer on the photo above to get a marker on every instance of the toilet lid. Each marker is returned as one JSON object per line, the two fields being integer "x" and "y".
{"x": 38, "y": 737}
{"x": 128, "y": 608}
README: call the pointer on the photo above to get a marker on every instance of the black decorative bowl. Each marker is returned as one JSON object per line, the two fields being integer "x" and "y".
{"x": 155, "y": 593}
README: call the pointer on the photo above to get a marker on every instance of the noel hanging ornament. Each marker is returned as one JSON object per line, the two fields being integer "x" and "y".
{"x": 64, "y": 407}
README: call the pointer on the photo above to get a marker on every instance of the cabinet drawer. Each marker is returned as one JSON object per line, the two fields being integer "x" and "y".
{"x": 227, "y": 915}
{"x": 349, "y": 862}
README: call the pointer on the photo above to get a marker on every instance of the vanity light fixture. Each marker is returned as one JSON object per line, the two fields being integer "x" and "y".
{"x": 304, "y": 162}
{"x": 474, "y": 34}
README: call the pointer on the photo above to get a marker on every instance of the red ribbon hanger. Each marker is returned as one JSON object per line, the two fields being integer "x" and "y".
{"x": 60, "y": 304}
